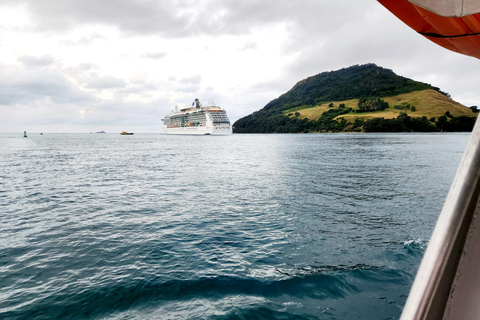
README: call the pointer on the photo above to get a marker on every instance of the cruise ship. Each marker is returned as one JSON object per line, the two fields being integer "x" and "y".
{"x": 198, "y": 119}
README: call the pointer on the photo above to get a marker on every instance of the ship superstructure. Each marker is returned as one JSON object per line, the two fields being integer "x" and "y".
{"x": 198, "y": 119}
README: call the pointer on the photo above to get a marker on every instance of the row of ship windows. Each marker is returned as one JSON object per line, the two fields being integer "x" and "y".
{"x": 179, "y": 121}
{"x": 179, "y": 125}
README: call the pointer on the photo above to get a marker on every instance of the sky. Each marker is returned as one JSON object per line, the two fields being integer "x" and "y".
{"x": 121, "y": 65}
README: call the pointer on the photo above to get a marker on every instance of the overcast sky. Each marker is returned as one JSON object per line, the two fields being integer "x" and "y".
{"x": 113, "y": 65}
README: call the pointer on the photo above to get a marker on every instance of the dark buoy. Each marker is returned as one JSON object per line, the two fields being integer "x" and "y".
{"x": 24, "y": 134}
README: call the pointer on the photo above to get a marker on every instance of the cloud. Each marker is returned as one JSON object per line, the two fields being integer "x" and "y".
{"x": 193, "y": 80}
{"x": 33, "y": 61}
{"x": 155, "y": 55}
{"x": 88, "y": 66}
{"x": 83, "y": 41}
{"x": 131, "y": 16}
{"x": 107, "y": 82}
{"x": 250, "y": 45}
{"x": 20, "y": 86}
{"x": 186, "y": 86}
{"x": 141, "y": 87}
{"x": 188, "y": 18}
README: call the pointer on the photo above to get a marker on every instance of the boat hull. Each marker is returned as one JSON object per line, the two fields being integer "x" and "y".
{"x": 203, "y": 130}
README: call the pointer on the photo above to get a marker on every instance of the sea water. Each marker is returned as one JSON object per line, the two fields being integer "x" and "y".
{"x": 151, "y": 226}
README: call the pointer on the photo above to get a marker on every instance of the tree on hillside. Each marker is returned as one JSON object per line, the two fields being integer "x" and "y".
{"x": 441, "y": 122}
{"x": 462, "y": 123}
{"x": 403, "y": 123}
{"x": 371, "y": 104}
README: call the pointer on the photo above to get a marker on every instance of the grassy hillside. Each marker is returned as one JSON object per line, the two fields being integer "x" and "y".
{"x": 343, "y": 100}
{"x": 428, "y": 103}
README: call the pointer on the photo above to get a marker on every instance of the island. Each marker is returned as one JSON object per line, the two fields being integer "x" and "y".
{"x": 360, "y": 98}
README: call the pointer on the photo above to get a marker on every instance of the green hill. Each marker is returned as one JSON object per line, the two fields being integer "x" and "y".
{"x": 356, "y": 99}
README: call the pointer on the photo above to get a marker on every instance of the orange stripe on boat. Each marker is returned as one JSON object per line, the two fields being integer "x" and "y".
{"x": 459, "y": 34}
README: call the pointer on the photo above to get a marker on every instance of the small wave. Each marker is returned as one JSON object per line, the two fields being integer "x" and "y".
{"x": 348, "y": 276}
{"x": 263, "y": 313}
{"x": 327, "y": 269}
{"x": 94, "y": 302}
{"x": 416, "y": 247}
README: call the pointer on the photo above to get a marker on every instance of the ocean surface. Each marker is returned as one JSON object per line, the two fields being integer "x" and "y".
{"x": 151, "y": 226}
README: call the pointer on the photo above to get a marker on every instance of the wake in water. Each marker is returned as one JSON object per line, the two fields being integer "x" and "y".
{"x": 306, "y": 294}
{"x": 293, "y": 293}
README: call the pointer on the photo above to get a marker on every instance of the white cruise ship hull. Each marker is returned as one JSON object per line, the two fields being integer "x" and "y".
{"x": 204, "y": 130}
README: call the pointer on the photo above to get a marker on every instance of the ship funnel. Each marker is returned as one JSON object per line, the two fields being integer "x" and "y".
{"x": 176, "y": 108}
{"x": 197, "y": 104}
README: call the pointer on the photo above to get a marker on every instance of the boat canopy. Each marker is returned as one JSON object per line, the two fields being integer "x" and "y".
{"x": 452, "y": 24}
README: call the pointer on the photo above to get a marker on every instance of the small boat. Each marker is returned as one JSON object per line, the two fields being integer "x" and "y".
{"x": 125, "y": 133}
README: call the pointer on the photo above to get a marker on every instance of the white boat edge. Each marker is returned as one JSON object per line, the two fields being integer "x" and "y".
{"x": 447, "y": 284}
{"x": 206, "y": 130}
